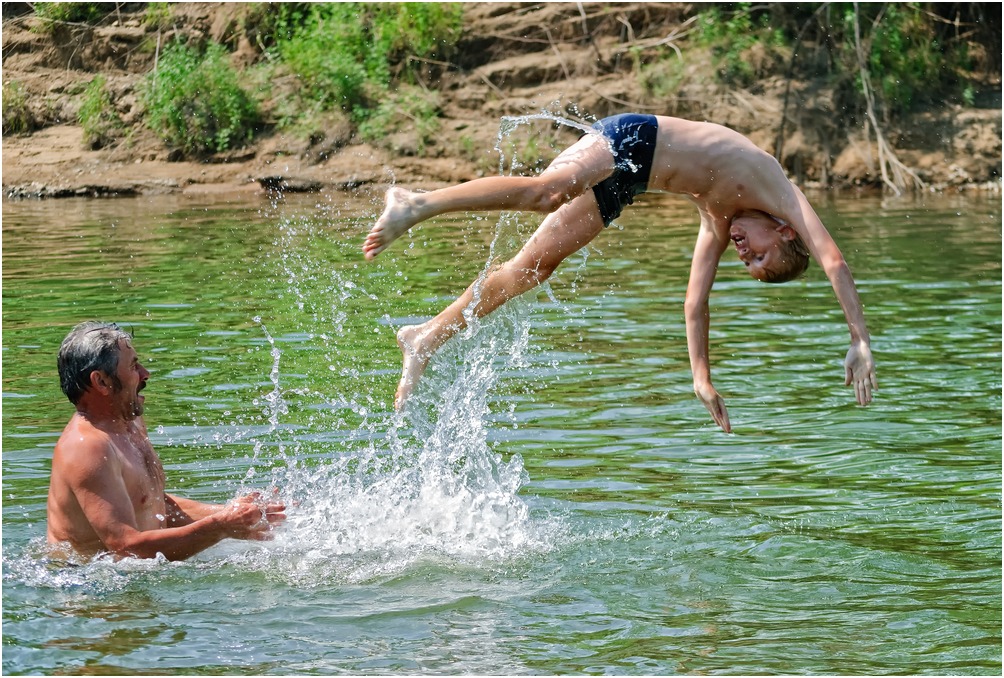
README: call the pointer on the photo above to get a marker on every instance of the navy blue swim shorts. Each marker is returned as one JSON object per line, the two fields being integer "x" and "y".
{"x": 632, "y": 139}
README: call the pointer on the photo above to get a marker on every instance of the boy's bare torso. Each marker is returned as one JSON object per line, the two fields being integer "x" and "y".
{"x": 722, "y": 172}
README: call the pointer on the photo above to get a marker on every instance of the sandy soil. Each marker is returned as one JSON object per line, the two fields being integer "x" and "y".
{"x": 515, "y": 59}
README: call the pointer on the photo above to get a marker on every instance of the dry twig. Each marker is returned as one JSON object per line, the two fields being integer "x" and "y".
{"x": 895, "y": 174}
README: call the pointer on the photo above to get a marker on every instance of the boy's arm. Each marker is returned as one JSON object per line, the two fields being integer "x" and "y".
{"x": 858, "y": 365}
{"x": 707, "y": 252}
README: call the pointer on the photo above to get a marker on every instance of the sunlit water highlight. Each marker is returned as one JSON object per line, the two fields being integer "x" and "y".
{"x": 556, "y": 500}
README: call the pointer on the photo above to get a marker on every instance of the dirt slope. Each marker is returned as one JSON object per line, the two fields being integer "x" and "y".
{"x": 514, "y": 59}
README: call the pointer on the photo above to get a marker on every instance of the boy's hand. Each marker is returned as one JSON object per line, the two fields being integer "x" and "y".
{"x": 860, "y": 371}
{"x": 715, "y": 404}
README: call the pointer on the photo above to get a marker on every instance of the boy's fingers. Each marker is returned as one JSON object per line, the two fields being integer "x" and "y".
{"x": 864, "y": 393}
{"x": 721, "y": 415}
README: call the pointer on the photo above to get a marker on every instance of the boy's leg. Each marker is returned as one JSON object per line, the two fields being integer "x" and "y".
{"x": 563, "y": 232}
{"x": 578, "y": 168}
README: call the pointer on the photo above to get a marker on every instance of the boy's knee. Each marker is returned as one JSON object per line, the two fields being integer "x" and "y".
{"x": 548, "y": 196}
{"x": 553, "y": 200}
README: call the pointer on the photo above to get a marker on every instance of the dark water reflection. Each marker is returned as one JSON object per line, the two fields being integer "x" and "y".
{"x": 820, "y": 538}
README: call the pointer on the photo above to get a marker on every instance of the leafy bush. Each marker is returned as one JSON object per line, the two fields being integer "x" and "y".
{"x": 907, "y": 62}
{"x": 913, "y": 55}
{"x": 194, "y": 103}
{"x": 732, "y": 36}
{"x": 408, "y": 107}
{"x": 88, "y": 12}
{"x": 97, "y": 115}
{"x": 347, "y": 54}
{"x": 17, "y": 117}
{"x": 157, "y": 15}
{"x": 326, "y": 57}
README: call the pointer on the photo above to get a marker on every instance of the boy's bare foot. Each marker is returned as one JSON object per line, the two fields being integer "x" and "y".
{"x": 398, "y": 216}
{"x": 409, "y": 338}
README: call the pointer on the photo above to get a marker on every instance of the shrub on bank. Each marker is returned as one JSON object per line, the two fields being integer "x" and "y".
{"x": 194, "y": 102}
{"x": 73, "y": 12}
{"x": 17, "y": 117}
{"x": 912, "y": 55}
{"x": 362, "y": 59}
{"x": 97, "y": 115}
{"x": 905, "y": 56}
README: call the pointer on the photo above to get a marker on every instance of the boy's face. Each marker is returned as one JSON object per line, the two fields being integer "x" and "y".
{"x": 758, "y": 241}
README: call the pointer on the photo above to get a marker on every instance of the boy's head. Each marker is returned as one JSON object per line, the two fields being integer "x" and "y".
{"x": 771, "y": 250}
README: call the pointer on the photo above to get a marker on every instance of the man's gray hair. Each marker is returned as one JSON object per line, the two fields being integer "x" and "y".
{"x": 89, "y": 346}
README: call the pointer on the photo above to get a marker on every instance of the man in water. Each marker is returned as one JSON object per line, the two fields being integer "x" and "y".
{"x": 741, "y": 194}
{"x": 106, "y": 491}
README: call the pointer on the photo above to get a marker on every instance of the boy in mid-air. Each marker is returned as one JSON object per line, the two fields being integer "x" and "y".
{"x": 740, "y": 192}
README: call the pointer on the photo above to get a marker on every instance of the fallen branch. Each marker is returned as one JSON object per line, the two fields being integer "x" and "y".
{"x": 895, "y": 174}
{"x": 680, "y": 31}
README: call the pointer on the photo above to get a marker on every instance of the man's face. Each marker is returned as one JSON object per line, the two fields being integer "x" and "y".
{"x": 131, "y": 378}
{"x": 758, "y": 240}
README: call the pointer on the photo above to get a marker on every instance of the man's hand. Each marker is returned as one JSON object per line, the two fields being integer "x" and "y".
{"x": 270, "y": 503}
{"x": 715, "y": 404}
{"x": 860, "y": 371}
{"x": 251, "y": 517}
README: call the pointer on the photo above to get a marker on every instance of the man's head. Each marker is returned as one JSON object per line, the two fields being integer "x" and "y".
{"x": 772, "y": 251}
{"x": 92, "y": 355}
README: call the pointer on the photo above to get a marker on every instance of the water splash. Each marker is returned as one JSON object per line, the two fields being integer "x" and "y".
{"x": 42, "y": 567}
{"x": 276, "y": 405}
{"x": 428, "y": 485}
{"x": 385, "y": 492}
{"x": 510, "y": 124}
{"x": 424, "y": 487}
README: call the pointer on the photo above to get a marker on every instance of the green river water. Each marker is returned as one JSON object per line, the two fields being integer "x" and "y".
{"x": 557, "y": 500}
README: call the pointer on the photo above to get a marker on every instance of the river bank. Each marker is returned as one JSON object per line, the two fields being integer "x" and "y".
{"x": 516, "y": 59}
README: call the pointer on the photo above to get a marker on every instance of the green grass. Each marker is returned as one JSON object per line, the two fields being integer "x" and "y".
{"x": 732, "y": 36}
{"x": 912, "y": 56}
{"x": 73, "y": 12}
{"x": 365, "y": 60}
{"x": 909, "y": 65}
{"x": 194, "y": 102}
{"x": 17, "y": 117}
{"x": 97, "y": 115}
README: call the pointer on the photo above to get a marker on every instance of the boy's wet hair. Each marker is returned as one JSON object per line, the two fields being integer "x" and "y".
{"x": 794, "y": 261}
{"x": 88, "y": 347}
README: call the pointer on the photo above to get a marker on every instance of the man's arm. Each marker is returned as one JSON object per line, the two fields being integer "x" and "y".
{"x": 859, "y": 366}
{"x": 707, "y": 253}
{"x": 102, "y": 495}
{"x": 182, "y": 511}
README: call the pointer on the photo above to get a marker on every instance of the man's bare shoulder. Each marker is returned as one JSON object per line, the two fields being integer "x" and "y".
{"x": 82, "y": 449}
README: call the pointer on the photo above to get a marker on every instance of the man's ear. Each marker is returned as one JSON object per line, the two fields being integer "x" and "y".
{"x": 100, "y": 382}
{"x": 786, "y": 232}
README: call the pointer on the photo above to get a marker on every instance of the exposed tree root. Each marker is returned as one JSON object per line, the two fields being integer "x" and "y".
{"x": 895, "y": 175}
